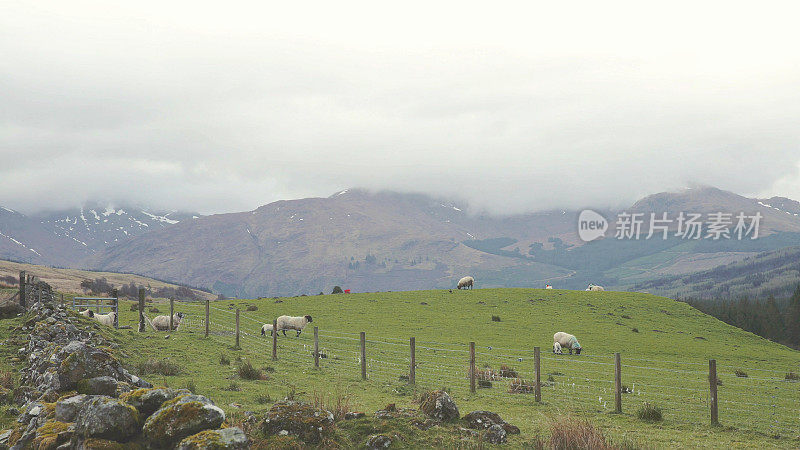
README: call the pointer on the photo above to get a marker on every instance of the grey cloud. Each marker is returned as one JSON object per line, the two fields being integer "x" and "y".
{"x": 181, "y": 110}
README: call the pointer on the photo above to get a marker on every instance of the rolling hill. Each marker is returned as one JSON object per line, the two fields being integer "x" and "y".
{"x": 390, "y": 241}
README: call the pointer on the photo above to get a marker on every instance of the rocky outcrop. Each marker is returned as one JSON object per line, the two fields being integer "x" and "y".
{"x": 292, "y": 418}
{"x": 76, "y": 394}
{"x": 439, "y": 406}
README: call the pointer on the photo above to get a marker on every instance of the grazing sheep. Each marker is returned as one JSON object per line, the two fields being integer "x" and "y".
{"x": 565, "y": 340}
{"x": 293, "y": 323}
{"x": 161, "y": 323}
{"x": 594, "y": 287}
{"x": 466, "y": 282}
{"x": 105, "y": 319}
{"x": 266, "y": 329}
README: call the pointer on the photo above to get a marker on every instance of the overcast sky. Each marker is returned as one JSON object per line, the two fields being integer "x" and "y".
{"x": 511, "y": 106}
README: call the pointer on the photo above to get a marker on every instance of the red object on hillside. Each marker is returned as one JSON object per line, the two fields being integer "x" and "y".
{"x": 347, "y": 291}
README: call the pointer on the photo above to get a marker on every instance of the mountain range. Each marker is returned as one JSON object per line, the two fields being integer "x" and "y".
{"x": 367, "y": 241}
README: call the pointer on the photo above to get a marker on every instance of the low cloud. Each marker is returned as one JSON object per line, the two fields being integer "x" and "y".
{"x": 511, "y": 110}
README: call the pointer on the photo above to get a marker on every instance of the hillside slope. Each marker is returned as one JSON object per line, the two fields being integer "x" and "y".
{"x": 389, "y": 241}
{"x": 665, "y": 347}
{"x": 69, "y": 280}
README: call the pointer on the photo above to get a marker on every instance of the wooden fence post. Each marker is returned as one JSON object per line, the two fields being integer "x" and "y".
{"x": 412, "y": 370}
{"x": 114, "y": 295}
{"x": 97, "y": 305}
{"x": 237, "y": 329}
{"x": 617, "y": 384}
{"x": 316, "y": 347}
{"x": 141, "y": 310}
{"x": 537, "y": 369}
{"x": 22, "y": 297}
{"x": 712, "y": 380}
{"x": 172, "y": 312}
{"x": 62, "y": 300}
{"x": 208, "y": 316}
{"x": 363, "y": 355}
{"x": 472, "y": 367}
{"x": 275, "y": 339}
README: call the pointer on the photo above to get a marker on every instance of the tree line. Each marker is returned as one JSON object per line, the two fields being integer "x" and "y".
{"x": 775, "y": 319}
{"x": 101, "y": 286}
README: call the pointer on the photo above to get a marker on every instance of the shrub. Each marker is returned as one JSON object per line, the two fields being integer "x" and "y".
{"x": 337, "y": 290}
{"x": 191, "y": 386}
{"x": 153, "y": 309}
{"x": 233, "y": 387}
{"x": 625, "y": 316}
{"x": 7, "y": 379}
{"x": 246, "y": 371}
{"x": 338, "y": 404}
{"x": 551, "y": 379}
{"x": 791, "y": 376}
{"x": 164, "y": 367}
{"x": 495, "y": 318}
{"x": 484, "y": 384}
{"x": 635, "y": 330}
{"x": 224, "y": 360}
{"x": 649, "y": 413}
{"x": 740, "y": 373}
{"x": 252, "y": 308}
{"x": 578, "y": 434}
{"x": 508, "y": 372}
{"x": 520, "y": 386}
{"x": 263, "y": 399}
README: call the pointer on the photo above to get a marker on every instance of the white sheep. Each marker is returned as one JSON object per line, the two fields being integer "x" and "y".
{"x": 565, "y": 340}
{"x": 105, "y": 319}
{"x": 594, "y": 287}
{"x": 266, "y": 329}
{"x": 466, "y": 282}
{"x": 161, "y": 323}
{"x": 292, "y": 323}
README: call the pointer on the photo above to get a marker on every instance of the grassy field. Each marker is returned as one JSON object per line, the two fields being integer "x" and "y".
{"x": 665, "y": 361}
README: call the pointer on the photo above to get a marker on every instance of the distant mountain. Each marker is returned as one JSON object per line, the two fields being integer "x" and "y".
{"x": 68, "y": 237}
{"x": 393, "y": 241}
{"x": 96, "y": 227}
{"x": 775, "y": 273}
{"x": 25, "y": 239}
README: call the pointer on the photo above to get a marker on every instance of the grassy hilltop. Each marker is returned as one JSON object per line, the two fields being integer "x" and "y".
{"x": 665, "y": 347}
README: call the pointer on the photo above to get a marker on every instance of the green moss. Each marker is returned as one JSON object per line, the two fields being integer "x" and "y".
{"x": 160, "y": 426}
{"x": 47, "y": 435}
{"x": 208, "y": 439}
{"x": 103, "y": 444}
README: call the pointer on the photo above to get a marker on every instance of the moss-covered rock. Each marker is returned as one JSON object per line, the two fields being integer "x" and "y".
{"x": 148, "y": 400}
{"x": 107, "y": 418}
{"x": 299, "y": 419}
{"x": 225, "y": 438}
{"x": 438, "y": 405}
{"x": 52, "y": 434}
{"x": 181, "y": 417}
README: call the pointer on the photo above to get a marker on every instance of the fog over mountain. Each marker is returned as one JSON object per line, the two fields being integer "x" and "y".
{"x": 522, "y": 108}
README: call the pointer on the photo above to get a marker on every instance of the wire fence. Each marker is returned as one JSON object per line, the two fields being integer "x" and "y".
{"x": 749, "y": 398}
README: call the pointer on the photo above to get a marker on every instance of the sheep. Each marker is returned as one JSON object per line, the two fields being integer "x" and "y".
{"x": 466, "y": 282}
{"x": 266, "y": 329}
{"x": 161, "y": 323}
{"x": 292, "y": 323}
{"x": 105, "y": 319}
{"x": 565, "y": 340}
{"x": 594, "y": 287}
